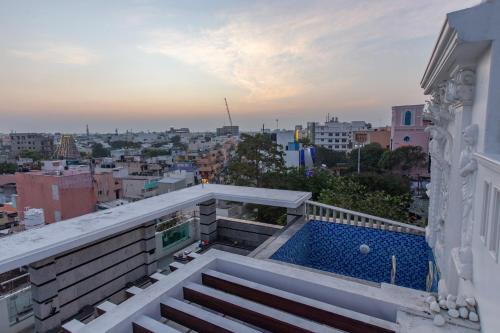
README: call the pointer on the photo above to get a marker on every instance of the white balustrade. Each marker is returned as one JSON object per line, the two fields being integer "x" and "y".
{"x": 327, "y": 213}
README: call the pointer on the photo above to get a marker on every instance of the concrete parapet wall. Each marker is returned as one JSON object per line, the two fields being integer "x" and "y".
{"x": 64, "y": 284}
{"x": 246, "y": 233}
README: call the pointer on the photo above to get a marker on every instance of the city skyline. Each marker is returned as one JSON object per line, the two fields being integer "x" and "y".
{"x": 148, "y": 65}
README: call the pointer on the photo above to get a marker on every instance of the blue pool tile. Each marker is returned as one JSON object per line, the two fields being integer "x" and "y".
{"x": 335, "y": 248}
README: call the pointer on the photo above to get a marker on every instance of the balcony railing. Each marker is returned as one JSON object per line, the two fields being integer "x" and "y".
{"x": 328, "y": 213}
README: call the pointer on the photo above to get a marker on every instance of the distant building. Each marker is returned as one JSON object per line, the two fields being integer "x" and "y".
{"x": 212, "y": 163}
{"x": 379, "y": 135}
{"x": 67, "y": 150}
{"x": 228, "y": 130}
{"x": 8, "y": 216}
{"x": 38, "y": 142}
{"x": 408, "y": 127}
{"x": 178, "y": 131}
{"x": 7, "y": 188}
{"x": 139, "y": 187}
{"x": 175, "y": 180}
{"x": 62, "y": 194}
{"x": 335, "y": 135}
{"x": 106, "y": 186}
{"x": 295, "y": 155}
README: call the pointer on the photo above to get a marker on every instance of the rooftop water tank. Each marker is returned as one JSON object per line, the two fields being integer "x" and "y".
{"x": 33, "y": 217}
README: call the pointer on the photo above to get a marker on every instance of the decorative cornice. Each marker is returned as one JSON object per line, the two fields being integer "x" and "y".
{"x": 445, "y": 45}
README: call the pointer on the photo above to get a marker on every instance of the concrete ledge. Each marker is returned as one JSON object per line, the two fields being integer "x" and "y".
{"x": 72, "y": 326}
{"x": 132, "y": 291}
{"x": 37, "y": 244}
{"x": 105, "y": 307}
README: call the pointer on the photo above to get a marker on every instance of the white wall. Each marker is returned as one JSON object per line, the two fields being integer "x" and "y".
{"x": 486, "y": 113}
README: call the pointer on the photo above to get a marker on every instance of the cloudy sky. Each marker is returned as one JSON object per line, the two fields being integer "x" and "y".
{"x": 139, "y": 64}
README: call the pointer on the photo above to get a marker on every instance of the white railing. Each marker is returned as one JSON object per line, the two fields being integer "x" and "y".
{"x": 328, "y": 213}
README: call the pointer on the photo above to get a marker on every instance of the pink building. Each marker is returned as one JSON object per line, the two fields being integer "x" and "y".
{"x": 106, "y": 186}
{"x": 62, "y": 194}
{"x": 408, "y": 127}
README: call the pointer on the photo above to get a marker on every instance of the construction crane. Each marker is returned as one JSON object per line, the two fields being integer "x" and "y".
{"x": 228, "y": 113}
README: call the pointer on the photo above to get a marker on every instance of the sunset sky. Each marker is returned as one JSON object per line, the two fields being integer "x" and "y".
{"x": 149, "y": 65}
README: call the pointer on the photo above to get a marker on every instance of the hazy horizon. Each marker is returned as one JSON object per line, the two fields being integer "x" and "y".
{"x": 151, "y": 65}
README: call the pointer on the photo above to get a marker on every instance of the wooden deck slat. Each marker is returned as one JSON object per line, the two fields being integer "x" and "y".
{"x": 253, "y": 313}
{"x": 199, "y": 319}
{"x": 145, "y": 324}
{"x": 315, "y": 310}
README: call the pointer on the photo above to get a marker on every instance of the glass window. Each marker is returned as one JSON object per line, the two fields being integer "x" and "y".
{"x": 406, "y": 139}
{"x": 407, "y": 118}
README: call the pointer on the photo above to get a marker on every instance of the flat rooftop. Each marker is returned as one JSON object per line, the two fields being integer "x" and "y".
{"x": 33, "y": 245}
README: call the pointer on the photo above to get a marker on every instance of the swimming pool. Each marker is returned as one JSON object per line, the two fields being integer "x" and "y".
{"x": 335, "y": 248}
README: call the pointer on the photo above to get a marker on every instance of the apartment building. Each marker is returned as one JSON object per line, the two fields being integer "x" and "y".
{"x": 38, "y": 142}
{"x": 228, "y": 130}
{"x": 62, "y": 194}
{"x": 379, "y": 135}
{"x": 335, "y": 135}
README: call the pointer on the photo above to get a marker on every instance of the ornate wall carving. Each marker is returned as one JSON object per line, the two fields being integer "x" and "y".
{"x": 448, "y": 96}
{"x": 468, "y": 168}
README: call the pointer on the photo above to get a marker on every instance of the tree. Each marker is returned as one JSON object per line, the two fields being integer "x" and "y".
{"x": 254, "y": 158}
{"x": 153, "y": 152}
{"x": 390, "y": 183}
{"x": 347, "y": 193}
{"x": 119, "y": 144}
{"x": 329, "y": 157}
{"x": 8, "y": 168}
{"x": 404, "y": 160}
{"x": 98, "y": 150}
{"x": 33, "y": 154}
{"x": 369, "y": 157}
{"x": 297, "y": 179}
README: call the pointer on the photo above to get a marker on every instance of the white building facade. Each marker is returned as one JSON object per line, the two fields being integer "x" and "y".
{"x": 463, "y": 80}
{"x": 335, "y": 135}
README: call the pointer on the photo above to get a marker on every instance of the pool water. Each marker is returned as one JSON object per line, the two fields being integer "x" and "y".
{"x": 334, "y": 248}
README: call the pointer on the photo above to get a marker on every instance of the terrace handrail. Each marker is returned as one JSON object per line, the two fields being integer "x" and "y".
{"x": 329, "y": 213}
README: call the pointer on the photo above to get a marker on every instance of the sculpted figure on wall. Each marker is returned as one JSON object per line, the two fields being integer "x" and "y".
{"x": 460, "y": 87}
{"x": 468, "y": 167}
{"x": 440, "y": 147}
